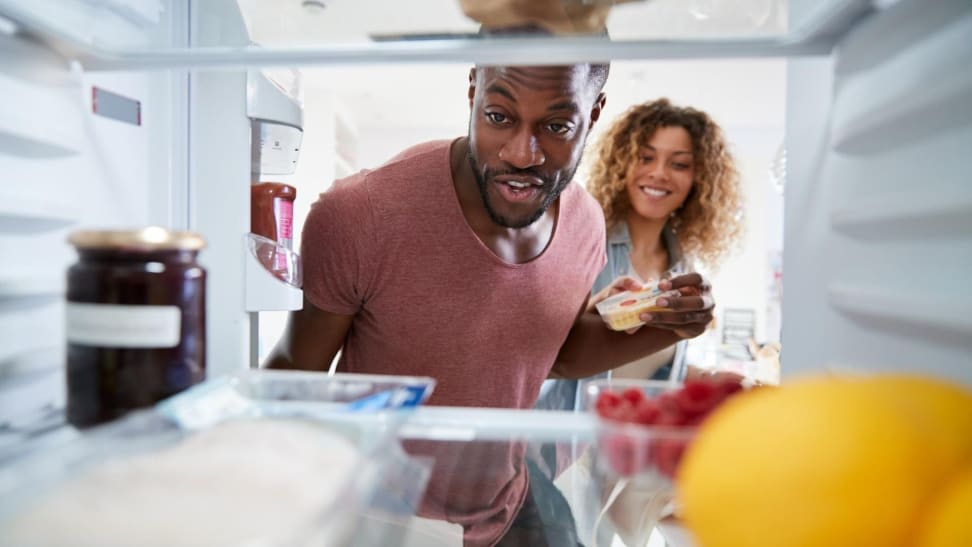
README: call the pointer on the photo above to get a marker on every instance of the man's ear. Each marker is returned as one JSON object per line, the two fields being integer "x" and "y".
{"x": 599, "y": 103}
{"x": 472, "y": 85}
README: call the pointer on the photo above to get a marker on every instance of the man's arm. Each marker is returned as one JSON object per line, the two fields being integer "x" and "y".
{"x": 592, "y": 348}
{"x": 311, "y": 339}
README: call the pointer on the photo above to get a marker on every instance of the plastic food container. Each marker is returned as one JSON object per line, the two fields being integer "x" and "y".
{"x": 268, "y": 393}
{"x": 280, "y": 261}
{"x": 623, "y": 310}
{"x": 635, "y": 450}
{"x": 634, "y": 465}
{"x": 375, "y": 477}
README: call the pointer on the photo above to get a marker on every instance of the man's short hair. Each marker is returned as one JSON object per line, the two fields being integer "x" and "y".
{"x": 598, "y": 73}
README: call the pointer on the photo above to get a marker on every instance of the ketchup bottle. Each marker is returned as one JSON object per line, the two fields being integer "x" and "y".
{"x": 272, "y": 216}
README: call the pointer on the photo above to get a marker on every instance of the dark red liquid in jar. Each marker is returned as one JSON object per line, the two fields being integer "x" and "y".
{"x": 136, "y": 327}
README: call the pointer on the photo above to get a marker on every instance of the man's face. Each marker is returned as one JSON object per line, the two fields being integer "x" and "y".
{"x": 527, "y": 130}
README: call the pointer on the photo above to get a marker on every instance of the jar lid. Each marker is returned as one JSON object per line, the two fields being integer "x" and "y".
{"x": 151, "y": 238}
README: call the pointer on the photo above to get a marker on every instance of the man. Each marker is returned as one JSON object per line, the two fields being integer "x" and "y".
{"x": 472, "y": 261}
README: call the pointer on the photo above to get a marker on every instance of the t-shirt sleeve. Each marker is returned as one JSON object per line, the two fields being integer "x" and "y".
{"x": 335, "y": 247}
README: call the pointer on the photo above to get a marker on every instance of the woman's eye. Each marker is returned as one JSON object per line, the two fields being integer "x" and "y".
{"x": 647, "y": 159}
{"x": 682, "y": 166}
{"x": 496, "y": 117}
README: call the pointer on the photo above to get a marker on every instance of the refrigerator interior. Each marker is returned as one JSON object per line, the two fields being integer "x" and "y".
{"x": 878, "y": 212}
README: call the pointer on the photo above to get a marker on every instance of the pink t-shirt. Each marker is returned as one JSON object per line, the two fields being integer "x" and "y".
{"x": 391, "y": 247}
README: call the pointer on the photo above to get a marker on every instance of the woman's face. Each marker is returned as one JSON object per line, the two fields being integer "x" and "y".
{"x": 663, "y": 173}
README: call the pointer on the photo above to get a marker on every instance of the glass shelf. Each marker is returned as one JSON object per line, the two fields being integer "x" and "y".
{"x": 152, "y": 34}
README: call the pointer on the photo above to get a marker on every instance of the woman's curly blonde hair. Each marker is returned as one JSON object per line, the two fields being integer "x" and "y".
{"x": 708, "y": 225}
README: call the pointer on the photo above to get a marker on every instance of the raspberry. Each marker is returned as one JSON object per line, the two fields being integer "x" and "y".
{"x": 698, "y": 397}
{"x": 606, "y": 402}
{"x": 621, "y": 454}
{"x": 666, "y": 454}
{"x": 633, "y": 395}
{"x": 647, "y": 412}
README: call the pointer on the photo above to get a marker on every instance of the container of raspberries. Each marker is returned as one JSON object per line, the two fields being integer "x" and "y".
{"x": 643, "y": 429}
{"x": 644, "y": 426}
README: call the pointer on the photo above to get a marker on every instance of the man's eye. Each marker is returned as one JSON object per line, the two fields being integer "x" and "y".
{"x": 496, "y": 117}
{"x": 559, "y": 128}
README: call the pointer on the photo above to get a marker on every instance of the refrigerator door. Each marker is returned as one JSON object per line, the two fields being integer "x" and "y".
{"x": 878, "y": 205}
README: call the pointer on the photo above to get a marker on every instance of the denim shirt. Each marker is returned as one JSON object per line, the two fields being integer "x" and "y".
{"x": 564, "y": 394}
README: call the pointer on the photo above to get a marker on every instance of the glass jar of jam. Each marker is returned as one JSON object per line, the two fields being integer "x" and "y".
{"x": 136, "y": 321}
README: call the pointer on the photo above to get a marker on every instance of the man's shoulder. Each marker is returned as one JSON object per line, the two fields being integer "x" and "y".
{"x": 414, "y": 163}
{"x": 419, "y": 154}
{"x": 393, "y": 189}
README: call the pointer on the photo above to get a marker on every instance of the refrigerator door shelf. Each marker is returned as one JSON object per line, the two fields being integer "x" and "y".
{"x": 266, "y": 290}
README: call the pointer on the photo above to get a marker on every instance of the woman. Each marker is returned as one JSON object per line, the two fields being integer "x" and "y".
{"x": 671, "y": 197}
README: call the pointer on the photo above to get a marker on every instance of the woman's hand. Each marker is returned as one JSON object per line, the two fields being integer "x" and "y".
{"x": 689, "y": 299}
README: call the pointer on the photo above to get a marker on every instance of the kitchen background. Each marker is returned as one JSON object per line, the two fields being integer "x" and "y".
{"x": 360, "y": 117}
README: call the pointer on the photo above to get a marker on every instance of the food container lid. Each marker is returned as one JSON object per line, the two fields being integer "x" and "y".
{"x": 151, "y": 238}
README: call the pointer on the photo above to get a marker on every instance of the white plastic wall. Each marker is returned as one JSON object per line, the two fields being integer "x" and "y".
{"x": 66, "y": 168}
{"x": 878, "y": 241}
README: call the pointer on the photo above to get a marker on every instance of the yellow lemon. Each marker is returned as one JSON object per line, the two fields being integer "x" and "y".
{"x": 941, "y": 409}
{"x": 949, "y": 521}
{"x": 817, "y": 461}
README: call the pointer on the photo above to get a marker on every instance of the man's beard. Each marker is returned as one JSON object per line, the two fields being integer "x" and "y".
{"x": 550, "y": 187}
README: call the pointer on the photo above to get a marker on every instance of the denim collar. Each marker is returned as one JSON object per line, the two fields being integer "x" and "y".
{"x": 620, "y": 235}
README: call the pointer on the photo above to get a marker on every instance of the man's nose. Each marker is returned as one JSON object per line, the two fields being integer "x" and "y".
{"x": 523, "y": 150}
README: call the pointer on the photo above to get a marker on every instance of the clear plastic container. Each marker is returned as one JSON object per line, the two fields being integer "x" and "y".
{"x": 279, "y": 261}
{"x": 484, "y": 457}
{"x": 357, "y": 391}
{"x": 381, "y": 481}
{"x": 634, "y": 466}
{"x": 265, "y": 392}
{"x": 623, "y": 310}
{"x": 591, "y": 389}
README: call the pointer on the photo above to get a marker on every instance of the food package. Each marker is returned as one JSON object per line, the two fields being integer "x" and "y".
{"x": 623, "y": 310}
{"x": 557, "y": 16}
{"x": 257, "y": 457}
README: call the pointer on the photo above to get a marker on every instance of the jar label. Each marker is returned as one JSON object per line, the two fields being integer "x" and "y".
{"x": 284, "y": 215}
{"x": 117, "y": 326}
